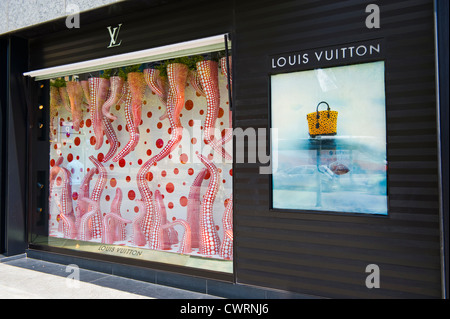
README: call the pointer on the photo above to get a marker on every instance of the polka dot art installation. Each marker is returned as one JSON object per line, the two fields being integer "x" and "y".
{"x": 144, "y": 161}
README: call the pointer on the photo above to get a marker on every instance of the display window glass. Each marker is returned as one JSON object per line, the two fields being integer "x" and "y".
{"x": 141, "y": 162}
{"x": 329, "y": 139}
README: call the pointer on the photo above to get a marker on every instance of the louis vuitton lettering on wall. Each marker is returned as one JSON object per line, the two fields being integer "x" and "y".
{"x": 327, "y": 56}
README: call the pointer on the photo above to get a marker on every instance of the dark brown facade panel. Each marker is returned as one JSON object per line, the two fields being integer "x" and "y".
{"x": 288, "y": 250}
{"x": 143, "y": 29}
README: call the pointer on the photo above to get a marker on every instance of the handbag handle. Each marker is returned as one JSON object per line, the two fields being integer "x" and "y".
{"x": 317, "y": 110}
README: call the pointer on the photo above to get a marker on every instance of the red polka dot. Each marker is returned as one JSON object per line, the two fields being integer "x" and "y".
{"x": 149, "y": 176}
{"x": 170, "y": 187}
{"x": 231, "y": 172}
{"x": 59, "y": 181}
{"x": 139, "y": 161}
{"x": 189, "y": 105}
{"x": 70, "y": 158}
{"x": 88, "y": 122}
{"x": 149, "y": 114}
{"x": 170, "y": 205}
{"x": 113, "y": 182}
{"x": 107, "y": 198}
{"x": 128, "y": 179}
{"x": 100, "y": 157}
{"x": 183, "y": 201}
{"x": 159, "y": 143}
{"x": 119, "y": 127}
{"x": 149, "y": 152}
{"x": 52, "y": 162}
{"x": 201, "y": 112}
{"x": 184, "y": 158}
{"x": 131, "y": 195}
{"x": 122, "y": 162}
{"x": 191, "y": 171}
{"x": 111, "y": 167}
{"x": 93, "y": 140}
{"x": 191, "y": 123}
{"x": 163, "y": 173}
{"x": 136, "y": 209}
{"x": 74, "y": 195}
{"x": 77, "y": 141}
{"x": 159, "y": 125}
{"x": 176, "y": 171}
{"x": 193, "y": 141}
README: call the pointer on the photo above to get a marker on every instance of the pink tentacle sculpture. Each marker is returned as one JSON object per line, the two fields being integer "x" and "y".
{"x": 186, "y": 243}
{"x": 226, "y": 249}
{"x": 169, "y": 234}
{"x": 116, "y": 92}
{"x": 138, "y": 233}
{"x": 134, "y": 133}
{"x": 158, "y": 86}
{"x": 208, "y": 71}
{"x": 75, "y": 92}
{"x": 67, "y": 216}
{"x": 185, "y": 246}
{"x": 83, "y": 192}
{"x": 65, "y": 98}
{"x": 55, "y": 103}
{"x": 229, "y": 132}
{"x": 209, "y": 239}
{"x": 120, "y": 231}
{"x": 85, "y": 87}
{"x": 177, "y": 74}
{"x": 109, "y": 227}
{"x": 54, "y": 171}
{"x": 98, "y": 89}
{"x": 194, "y": 80}
{"x": 112, "y": 139}
{"x": 193, "y": 207}
{"x": 85, "y": 230}
{"x": 223, "y": 65}
{"x": 137, "y": 86}
{"x": 96, "y": 194}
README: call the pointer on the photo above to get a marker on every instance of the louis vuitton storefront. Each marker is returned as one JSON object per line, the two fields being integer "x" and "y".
{"x": 245, "y": 150}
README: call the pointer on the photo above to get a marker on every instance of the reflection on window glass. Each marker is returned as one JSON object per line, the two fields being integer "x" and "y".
{"x": 331, "y": 139}
{"x": 141, "y": 160}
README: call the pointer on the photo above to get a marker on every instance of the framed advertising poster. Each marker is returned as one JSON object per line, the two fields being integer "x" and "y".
{"x": 329, "y": 152}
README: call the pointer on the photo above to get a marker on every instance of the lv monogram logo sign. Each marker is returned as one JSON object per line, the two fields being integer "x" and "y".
{"x": 114, "y": 34}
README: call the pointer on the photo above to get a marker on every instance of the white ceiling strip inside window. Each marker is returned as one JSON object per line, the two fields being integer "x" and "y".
{"x": 199, "y": 46}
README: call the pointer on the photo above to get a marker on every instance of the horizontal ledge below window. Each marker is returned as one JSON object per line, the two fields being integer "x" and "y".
{"x": 199, "y": 46}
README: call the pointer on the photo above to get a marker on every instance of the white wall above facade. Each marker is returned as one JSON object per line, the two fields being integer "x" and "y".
{"x": 18, "y": 14}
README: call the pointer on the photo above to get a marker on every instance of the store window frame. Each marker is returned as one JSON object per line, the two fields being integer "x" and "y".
{"x": 43, "y": 84}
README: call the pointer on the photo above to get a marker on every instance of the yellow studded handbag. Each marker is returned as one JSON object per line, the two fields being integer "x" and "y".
{"x": 322, "y": 122}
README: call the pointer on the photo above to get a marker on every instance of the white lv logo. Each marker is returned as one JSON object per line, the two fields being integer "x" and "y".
{"x": 114, "y": 34}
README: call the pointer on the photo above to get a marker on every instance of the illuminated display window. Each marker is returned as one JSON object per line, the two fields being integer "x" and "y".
{"x": 141, "y": 161}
